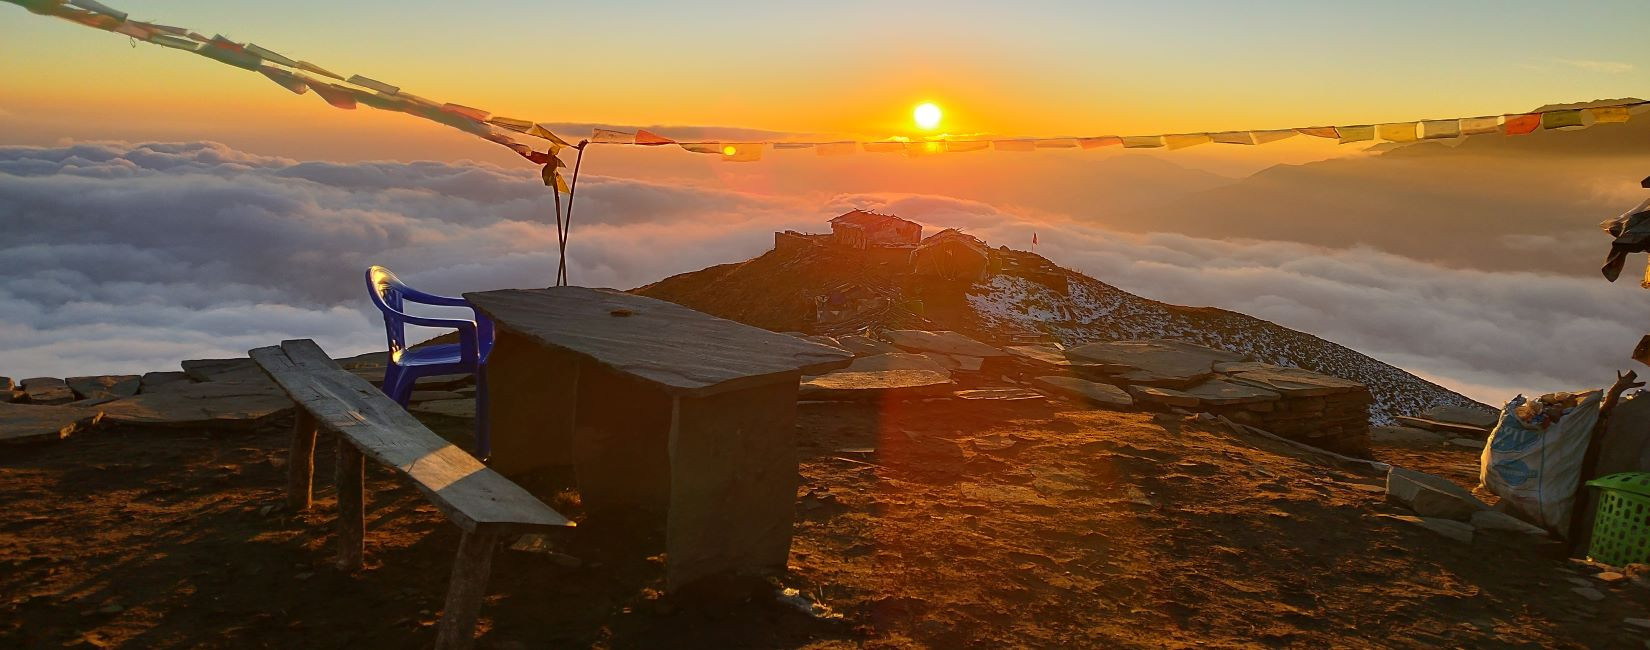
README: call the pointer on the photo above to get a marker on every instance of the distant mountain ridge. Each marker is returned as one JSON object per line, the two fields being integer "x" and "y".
{"x": 1028, "y": 297}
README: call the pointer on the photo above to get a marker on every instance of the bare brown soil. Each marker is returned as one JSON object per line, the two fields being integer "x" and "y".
{"x": 1036, "y": 526}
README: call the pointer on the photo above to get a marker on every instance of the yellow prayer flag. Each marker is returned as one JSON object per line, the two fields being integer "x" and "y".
{"x": 1480, "y": 125}
{"x": 1233, "y": 137}
{"x": 884, "y": 147}
{"x": 552, "y": 177}
{"x": 1100, "y": 141}
{"x": 1440, "y": 129}
{"x": 1274, "y": 135}
{"x": 1610, "y": 114}
{"x": 1142, "y": 141}
{"x": 742, "y": 152}
{"x": 373, "y": 84}
{"x": 1357, "y": 133}
{"x": 1397, "y": 131}
{"x": 1561, "y": 119}
{"x": 513, "y": 124}
{"x": 466, "y": 111}
{"x": 1057, "y": 143}
{"x": 836, "y": 148}
{"x": 1319, "y": 131}
{"x": 1013, "y": 145}
{"x": 960, "y": 146}
{"x": 702, "y": 147}
{"x": 1183, "y": 140}
{"x": 609, "y": 136}
{"x": 538, "y": 131}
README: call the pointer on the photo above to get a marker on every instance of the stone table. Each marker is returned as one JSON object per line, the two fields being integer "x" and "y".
{"x": 672, "y": 418}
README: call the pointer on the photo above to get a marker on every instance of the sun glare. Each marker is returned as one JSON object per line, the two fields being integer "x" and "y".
{"x": 927, "y": 115}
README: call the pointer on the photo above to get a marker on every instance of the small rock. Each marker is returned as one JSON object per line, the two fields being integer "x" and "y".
{"x": 1431, "y": 496}
{"x": 1589, "y": 593}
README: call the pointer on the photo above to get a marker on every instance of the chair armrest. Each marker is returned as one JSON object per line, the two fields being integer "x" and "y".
{"x": 414, "y": 295}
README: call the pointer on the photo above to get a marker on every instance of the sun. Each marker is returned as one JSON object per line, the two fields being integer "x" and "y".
{"x": 927, "y": 115}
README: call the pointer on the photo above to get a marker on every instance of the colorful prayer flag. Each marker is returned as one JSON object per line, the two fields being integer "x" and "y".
{"x": 1359, "y": 133}
{"x": 1522, "y": 124}
{"x": 924, "y": 148}
{"x": 513, "y": 124}
{"x": 609, "y": 136}
{"x": 91, "y": 5}
{"x": 1397, "y": 131}
{"x": 373, "y": 84}
{"x": 1320, "y": 132}
{"x": 1013, "y": 145}
{"x": 270, "y": 56}
{"x": 1440, "y": 129}
{"x": 1564, "y": 119}
{"x": 742, "y": 152}
{"x": 1233, "y": 137}
{"x": 650, "y": 139}
{"x": 538, "y": 131}
{"x": 338, "y": 97}
{"x": 702, "y": 147}
{"x": 1183, "y": 140}
{"x": 1142, "y": 141}
{"x": 1274, "y": 135}
{"x": 175, "y": 42}
{"x": 1479, "y": 125}
{"x": 1101, "y": 141}
{"x": 460, "y": 109}
{"x": 836, "y": 148}
{"x": 960, "y": 146}
{"x": 790, "y": 145}
{"x": 287, "y": 80}
{"x": 884, "y": 147}
{"x": 1057, "y": 143}
{"x": 1610, "y": 114}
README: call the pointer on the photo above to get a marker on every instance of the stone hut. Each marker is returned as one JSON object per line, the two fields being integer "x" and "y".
{"x": 952, "y": 254}
{"x": 861, "y": 229}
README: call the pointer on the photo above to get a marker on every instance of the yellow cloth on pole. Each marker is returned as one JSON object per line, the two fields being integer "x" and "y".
{"x": 1142, "y": 141}
{"x": 1397, "y": 131}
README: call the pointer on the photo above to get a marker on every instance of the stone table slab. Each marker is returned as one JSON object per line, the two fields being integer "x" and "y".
{"x": 1092, "y": 392}
{"x": 943, "y": 342}
{"x": 1170, "y": 364}
{"x": 36, "y": 423}
{"x": 874, "y": 384}
{"x": 47, "y": 390}
{"x": 1295, "y": 382}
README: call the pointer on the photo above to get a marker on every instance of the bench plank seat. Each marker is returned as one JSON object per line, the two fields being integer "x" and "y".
{"x": 475, "y": 497}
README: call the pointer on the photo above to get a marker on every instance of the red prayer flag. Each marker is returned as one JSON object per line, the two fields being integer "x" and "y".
{"x": 648, "y": 138}
{"x": 334, "y": 95}
{"x": 1034, "y": 239}
{"x": 1522, "y": 124}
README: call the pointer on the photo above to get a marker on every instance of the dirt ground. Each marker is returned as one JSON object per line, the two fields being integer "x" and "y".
{"x": 920, "y": 524}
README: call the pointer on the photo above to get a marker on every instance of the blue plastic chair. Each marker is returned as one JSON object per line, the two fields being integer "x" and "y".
{"x": 469, "y": 355}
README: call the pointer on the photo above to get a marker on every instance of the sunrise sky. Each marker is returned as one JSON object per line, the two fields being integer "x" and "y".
{"x": 856, "y": 68}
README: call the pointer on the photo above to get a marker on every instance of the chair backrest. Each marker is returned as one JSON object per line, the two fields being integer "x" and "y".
{"x": 385, "y": 290}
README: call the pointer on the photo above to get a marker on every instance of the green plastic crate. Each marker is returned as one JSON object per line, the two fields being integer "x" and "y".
{"x": 1621, "y": 525}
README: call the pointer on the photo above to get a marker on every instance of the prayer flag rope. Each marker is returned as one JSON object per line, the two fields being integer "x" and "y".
{"x": 300, "y": 76}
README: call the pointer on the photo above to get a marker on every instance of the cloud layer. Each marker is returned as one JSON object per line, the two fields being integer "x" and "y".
{"x": 131, "y": 257}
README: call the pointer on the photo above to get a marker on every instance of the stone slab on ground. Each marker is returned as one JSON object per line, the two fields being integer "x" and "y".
{"x": 896, "y": 361}
{"x": 1446, "y": 427}
{"x": 1493, "y": 520}
{"x": 1169, "y": 364}
{"x": 104, "y": 387}
{"x": 999, "y": 395}
{"x": 876, "y": 384}
{"x": 1295, "y": 382}
{"x": 1056, "y": 358}
{"x": 1431, "y": 496}
{"x": 864, "y": 346}
{"x": 212, "y": 405}
{"x": 1090, "y": 392}
{"x": 47, "y": 390}
{"x": 1480, "y": 417}
{"x": 157, "y": 381}
{"x": 1164, "y": 396}
{"x": 37, "y": 423}
{"x": 1403, "y": 434}
{"x": 453, "y": 408}
{"x": 943, "y": 342}
{"x": 237, "y": 369}
{"x": 1458, "y": 531}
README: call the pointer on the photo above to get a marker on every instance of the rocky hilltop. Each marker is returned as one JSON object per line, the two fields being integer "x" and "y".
{"x": 818, "y": 284}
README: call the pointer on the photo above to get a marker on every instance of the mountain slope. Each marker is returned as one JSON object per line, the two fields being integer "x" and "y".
{"x": 1030, "y": 296}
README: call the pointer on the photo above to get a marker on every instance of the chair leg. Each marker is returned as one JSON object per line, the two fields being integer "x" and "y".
{"x": 300, "y": 468}
{"x": 465, "y": 591}
{"x": 484, "y": 438}
{"x": 352, "y": 519}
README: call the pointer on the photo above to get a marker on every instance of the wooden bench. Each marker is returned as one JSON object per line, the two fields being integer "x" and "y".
{"x": 369, "y": 424}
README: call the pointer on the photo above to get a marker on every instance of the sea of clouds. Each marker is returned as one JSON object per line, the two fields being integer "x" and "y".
{"x": 129, "y": 258}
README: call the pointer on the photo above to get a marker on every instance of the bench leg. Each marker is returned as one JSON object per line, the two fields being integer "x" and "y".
{"x": 465, "y": 591}
{"x": 352, "y": 520}
{"x": 300, "y": 468}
